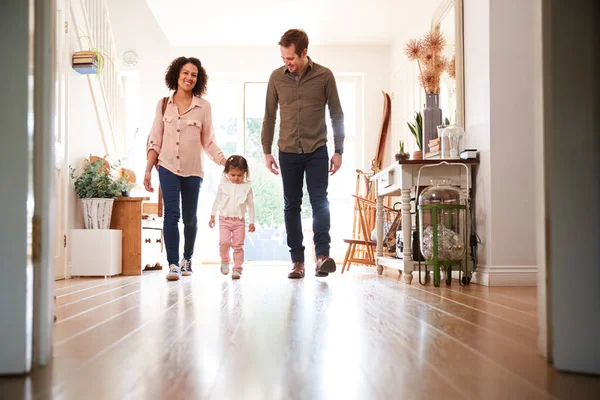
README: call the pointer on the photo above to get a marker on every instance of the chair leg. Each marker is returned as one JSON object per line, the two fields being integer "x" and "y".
{"x": 346, "y": 257}
{"x": 351, "y": 256}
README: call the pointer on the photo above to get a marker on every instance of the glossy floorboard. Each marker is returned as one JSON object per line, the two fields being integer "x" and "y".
{"x": 351, "y": 336}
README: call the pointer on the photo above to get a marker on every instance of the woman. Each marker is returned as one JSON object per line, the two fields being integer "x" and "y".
{"x": 182, "y": 129}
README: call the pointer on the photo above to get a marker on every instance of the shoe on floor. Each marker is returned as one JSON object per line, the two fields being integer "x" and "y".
{"x": 174, "y": 273}
{"x": 224, "y": 268}
{"x": 297, "y": 271}
{"x": 186, "y": 267}
{"x": 320, "y": 274}
{"x": 236, "y": 274}
{"x": 325, "y": 265}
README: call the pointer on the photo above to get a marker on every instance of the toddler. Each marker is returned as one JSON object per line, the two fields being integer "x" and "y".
{"x": 234, "y": 197}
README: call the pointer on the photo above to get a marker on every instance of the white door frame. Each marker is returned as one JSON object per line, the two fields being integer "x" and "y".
{"x": 44, "y": 178}
{"x": 541, "y": 65}
{"x": 62, "y": 132}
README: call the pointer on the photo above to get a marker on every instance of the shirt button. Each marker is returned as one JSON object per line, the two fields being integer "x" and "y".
{"x": 177, "y": 157}
{"x": 178, "y": 130}
{"x": 178, "y": 171}
{"x": 177, "y": 143}
{"x": 178, "y": 117}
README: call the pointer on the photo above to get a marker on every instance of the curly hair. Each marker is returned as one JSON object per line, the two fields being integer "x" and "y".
{"x": 172, "y": 75}
{"x": 237, "y": 162}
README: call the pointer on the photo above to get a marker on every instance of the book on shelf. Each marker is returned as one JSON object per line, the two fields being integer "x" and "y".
{"x": 85, "y": 69}
{"x": 85, "y": 60}
{"x": 468, "y": 153}
{"x": 433, "y": 154}
{"x": 433, "y": 149}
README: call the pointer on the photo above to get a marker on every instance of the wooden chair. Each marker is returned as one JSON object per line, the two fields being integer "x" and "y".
{"x": 361, "y": 249}
{"x": 362, "y": 238}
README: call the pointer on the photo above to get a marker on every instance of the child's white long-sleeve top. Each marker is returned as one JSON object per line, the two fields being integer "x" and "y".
{"x": 233, "y": 199}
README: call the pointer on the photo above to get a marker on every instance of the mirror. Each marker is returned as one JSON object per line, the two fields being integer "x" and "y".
{"x": 449, "y": 18}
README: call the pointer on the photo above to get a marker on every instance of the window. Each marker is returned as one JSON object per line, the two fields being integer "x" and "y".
{"x": 238, "y": 111}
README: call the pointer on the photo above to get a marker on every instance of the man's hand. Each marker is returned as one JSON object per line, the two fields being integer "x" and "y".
{"x": 251, "y": 228}
{"x": 336, "y": 163}
{"x": 147, "y": 181}
{"x": 271, "y": 164}
{"x": 211, "y": 223}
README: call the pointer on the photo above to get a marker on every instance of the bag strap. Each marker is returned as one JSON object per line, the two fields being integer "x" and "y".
{"x": 165, "y": 101}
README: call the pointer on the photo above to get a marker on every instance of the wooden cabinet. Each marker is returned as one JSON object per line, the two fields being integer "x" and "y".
{"x": 127, "y": 217}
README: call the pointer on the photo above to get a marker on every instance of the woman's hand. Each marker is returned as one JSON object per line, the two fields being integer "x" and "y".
{"x": 148, "y": 181}
{"x": 251, "y": 228}
{"x": 211, "y": 223}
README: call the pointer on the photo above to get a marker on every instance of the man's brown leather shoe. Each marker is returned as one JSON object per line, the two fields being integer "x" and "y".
{"x": 297, "y": 271}
{"x": 325, "y": 266}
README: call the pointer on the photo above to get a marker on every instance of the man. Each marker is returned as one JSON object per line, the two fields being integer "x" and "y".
{"x": 302, "y": 89}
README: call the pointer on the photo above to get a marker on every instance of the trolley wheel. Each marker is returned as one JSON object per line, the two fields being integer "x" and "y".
{"x": 466, "y": 280}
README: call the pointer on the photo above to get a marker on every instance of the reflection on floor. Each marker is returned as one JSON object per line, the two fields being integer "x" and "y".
{"x": 351, "y": 336}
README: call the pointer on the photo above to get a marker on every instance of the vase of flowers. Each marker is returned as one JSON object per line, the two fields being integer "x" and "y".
{"x": 427, "y": 52}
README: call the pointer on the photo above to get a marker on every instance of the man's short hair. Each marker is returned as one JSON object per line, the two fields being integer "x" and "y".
{"x": 296, "y": 37}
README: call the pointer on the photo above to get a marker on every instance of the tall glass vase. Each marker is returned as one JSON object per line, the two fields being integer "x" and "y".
{"x": 432, "y": 117}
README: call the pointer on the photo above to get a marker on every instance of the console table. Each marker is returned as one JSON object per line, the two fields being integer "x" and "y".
{"x": 127, "y": 217}
{"x": 397, "y": 180}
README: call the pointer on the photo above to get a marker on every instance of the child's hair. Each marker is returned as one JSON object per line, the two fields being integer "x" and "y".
{"x": 237, "y": 162}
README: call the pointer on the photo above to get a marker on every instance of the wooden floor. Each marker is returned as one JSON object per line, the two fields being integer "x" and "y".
{"x": 351, "y": 336}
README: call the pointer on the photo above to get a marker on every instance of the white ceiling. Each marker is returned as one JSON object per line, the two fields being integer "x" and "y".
{"x": 262, "y": 22}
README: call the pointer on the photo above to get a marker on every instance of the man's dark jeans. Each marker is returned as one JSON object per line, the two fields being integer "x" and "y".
{"x": 176, "y": 189}
{"x": 316, "y": 167}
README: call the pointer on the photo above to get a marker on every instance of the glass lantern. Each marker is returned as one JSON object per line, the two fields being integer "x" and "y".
{"x": 442, "y": 227}
{"x": 451, "y": 137}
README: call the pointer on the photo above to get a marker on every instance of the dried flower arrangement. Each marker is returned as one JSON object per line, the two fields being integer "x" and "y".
{"x": 451, "y": 68}
{"x": 427, "y": 52}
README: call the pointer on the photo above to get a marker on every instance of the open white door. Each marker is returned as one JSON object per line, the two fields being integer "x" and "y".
{"x": 44, "y": 181}
{"x": 60, "y": 148}
{"x": 572, "y": 172}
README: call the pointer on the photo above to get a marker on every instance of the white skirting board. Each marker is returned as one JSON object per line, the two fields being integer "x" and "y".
{"x": 507, "y": 275}
{"x": 96, "y": 252}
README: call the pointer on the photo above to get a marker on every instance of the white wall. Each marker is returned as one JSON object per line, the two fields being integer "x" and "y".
{"x": 84, "y": 129}
{"x": 512, "y": 131}
{"x": 477, "y": 112}
{"x": 500, "y": 124}
{"x": 16, "y": 284}
{"x": 404, "y": 84}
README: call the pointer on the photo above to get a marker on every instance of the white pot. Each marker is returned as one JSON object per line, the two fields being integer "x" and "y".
{"x": 97, "y": 213}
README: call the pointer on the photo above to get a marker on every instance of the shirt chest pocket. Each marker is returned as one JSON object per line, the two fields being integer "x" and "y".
{"x": 287, "y": 93}
{"x": 193, "y": 128}
{"x": 314, "y": 92}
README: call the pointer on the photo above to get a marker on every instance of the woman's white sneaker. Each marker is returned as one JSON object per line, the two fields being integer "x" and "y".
{"x": 186, "y": 267}
{"x": 174, "y": 273}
